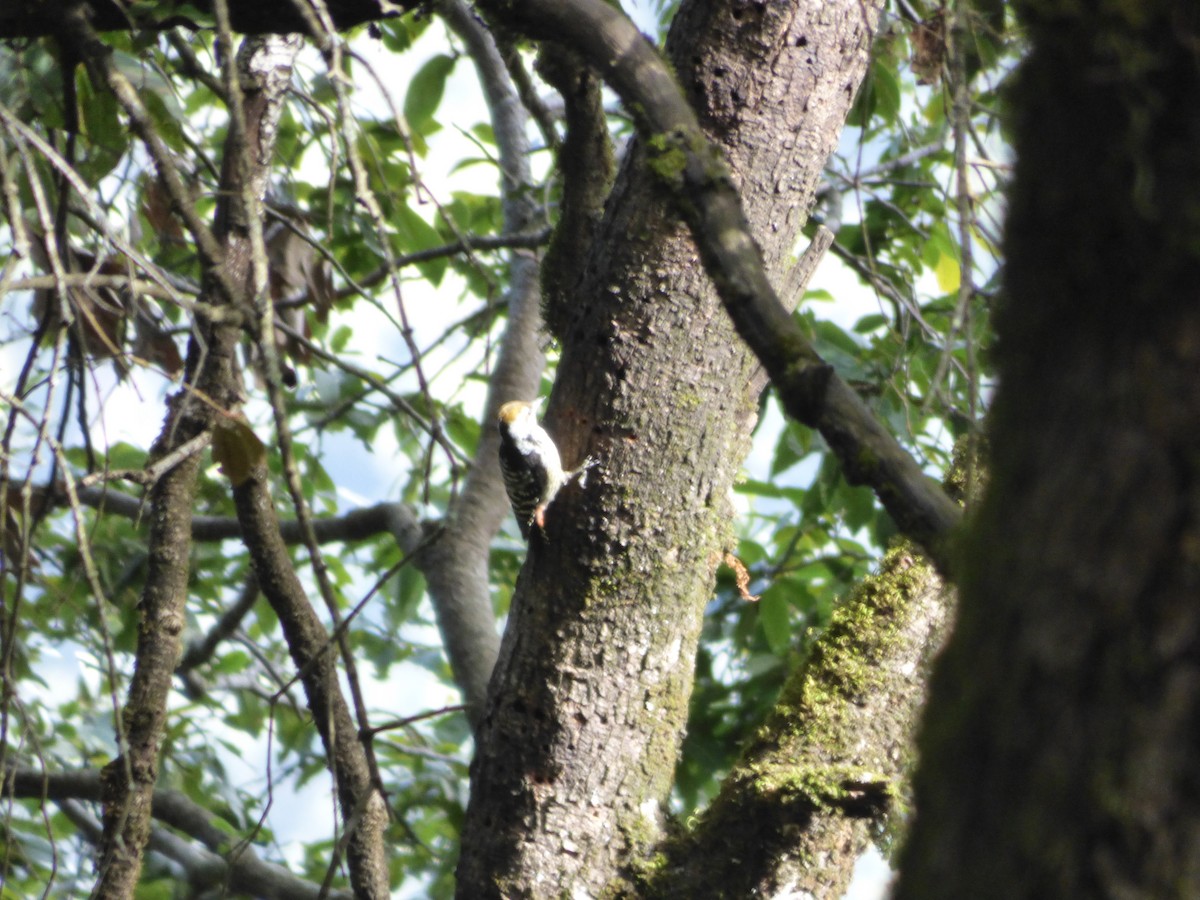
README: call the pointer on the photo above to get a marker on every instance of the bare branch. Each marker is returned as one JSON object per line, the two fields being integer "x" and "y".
{"x": 155, "y": 469}
{"x": 355, "y": 525}
{"x": 93, "y": 280}
{"x": 130, "y": 778}
{"x": 528, "y": 240}
{"x": 240, "y": 871}
{"x": 201, "y": 651}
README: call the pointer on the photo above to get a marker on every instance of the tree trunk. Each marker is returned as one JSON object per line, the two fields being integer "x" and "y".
{"x": 1059, "y": 752}
{"x": 576, "y": 753}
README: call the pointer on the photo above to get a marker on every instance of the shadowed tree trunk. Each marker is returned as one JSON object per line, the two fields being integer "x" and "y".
{"x": 1059, "y": 754}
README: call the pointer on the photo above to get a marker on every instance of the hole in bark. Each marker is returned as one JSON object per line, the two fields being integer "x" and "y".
{"x": 802, "y": 41}
{"x": 755, "y": 6}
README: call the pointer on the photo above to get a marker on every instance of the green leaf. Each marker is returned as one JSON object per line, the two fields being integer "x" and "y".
{"x": 231, "y": 662}
{"x": 774, "y": 618}
{"x": 99, "y": 121}
{"x": 399, "y": 34}
{"x": 122, "y": 455}
{"x": 410, "y": 590}
{"x": 414, "y": 233}
{"x": 941, "y": 254}
{"x": 949, "y": 276}
{"x": 869, "y": 323}
{"x": 425, "y": 91}
{"x": 463, "y": 429}
{"x": 755, "y": 488}
{"x": 340, "y": 338}
{"x": 887, "y": 92}
{"x": 879, "y": 96}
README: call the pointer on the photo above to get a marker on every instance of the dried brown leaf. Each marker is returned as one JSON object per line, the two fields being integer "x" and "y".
{"x": 236, "y": 448}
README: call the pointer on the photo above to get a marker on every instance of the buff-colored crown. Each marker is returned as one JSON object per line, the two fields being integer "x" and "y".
{"x": 512, "y": 409}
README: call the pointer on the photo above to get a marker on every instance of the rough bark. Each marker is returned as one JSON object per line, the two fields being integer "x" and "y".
{"x": 1059, "y": 751}
{"x": 587, "y": 707}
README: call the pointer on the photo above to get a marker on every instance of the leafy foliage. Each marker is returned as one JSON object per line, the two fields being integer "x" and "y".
{"x": 389, "y": 372}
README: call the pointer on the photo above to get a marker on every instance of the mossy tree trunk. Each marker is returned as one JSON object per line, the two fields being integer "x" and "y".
{"x": 1059, "y": 752}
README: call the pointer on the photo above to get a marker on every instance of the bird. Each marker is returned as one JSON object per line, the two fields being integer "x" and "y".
{"x": 530, "y": 464}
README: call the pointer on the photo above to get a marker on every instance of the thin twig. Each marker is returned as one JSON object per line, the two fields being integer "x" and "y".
{"x": 155, "y": 470}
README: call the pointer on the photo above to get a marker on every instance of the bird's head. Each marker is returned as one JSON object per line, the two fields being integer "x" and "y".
{"x": 518, "y": 411}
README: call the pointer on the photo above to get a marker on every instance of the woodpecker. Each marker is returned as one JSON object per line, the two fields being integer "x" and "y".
{"x": 529, "y": 461}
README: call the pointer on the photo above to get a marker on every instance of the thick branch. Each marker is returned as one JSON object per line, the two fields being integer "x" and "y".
{"x": 241, "y": 871}
{"x": 821, "y": 775}
{"x": 700, "y": 182}
{"x": 585, "y": 161}
{"x": 575, "y": 757}
{"x": 308, "y": 642}
{"x": 315, "y": 657}
{"x": 129, "y": 779}
{"x": 355, "y": 525}
{"x": 1058, "y": 753}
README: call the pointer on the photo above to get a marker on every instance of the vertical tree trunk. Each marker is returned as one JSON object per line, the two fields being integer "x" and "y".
{"x": 1059, "y": 752}
{"x": 576, "y": 753}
